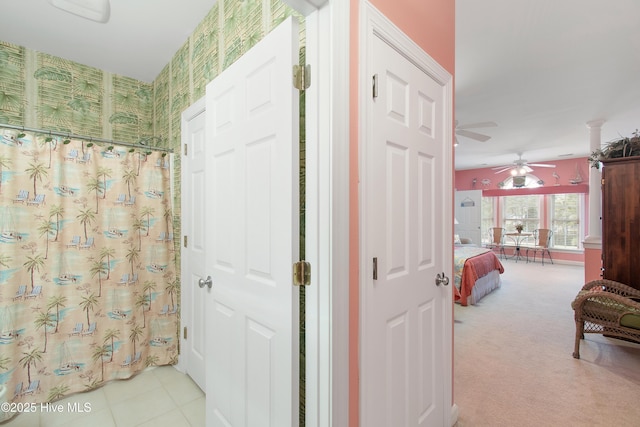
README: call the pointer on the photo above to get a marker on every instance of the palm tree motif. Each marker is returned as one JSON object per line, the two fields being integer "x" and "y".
{"x": 4, "y": 362}
{"x": 134, "y": 335}
{"x": 110, "y": 335}
{"x": 151, "y": 360}
{"x": 133, "y": 256}
{"x": 147, "y": 211}
{"x": 36, "y": 172}
{"x": 86, "y": 216}
{"x": 52, "y": 143}
{"x": 4, "y": 260}
{"x": 173, "y": 288}
{"x": 31, "y": 358}
{"x": 34, "y": 264}
{"x": 138, "y": 226}
{"x": 94, "y": 184}
{"x": 168, "y": 218}
{"x": 44, "y": 320}
{"x": 141, "y": 301}
{"x": 46, "y": 228}
{"x": 5, "y": 162}
{"x": 104, "y": 173}
{"x": 107, "y": 253}
{"x": 56, "y": 302}
{"x": 89, "y": 303}
{"x": 99, "y": 353}
{"x": 97, "y": 269}
{"x": 57, "y": 392}
{"x": 129, "y": 177}
{"x": 148, "y": 286}
{"x": 57, "y": 211}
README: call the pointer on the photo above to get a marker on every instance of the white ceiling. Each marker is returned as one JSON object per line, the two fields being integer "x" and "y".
{"x": 138, "y": 41}
{"x": 540, "y": 69}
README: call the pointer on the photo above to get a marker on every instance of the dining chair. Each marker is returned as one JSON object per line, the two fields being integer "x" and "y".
{"x": 542, "y": 240}
{"x": 496, "y": 236}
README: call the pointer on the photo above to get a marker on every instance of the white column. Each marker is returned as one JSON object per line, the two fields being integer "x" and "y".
{"x": 593, "y": 240}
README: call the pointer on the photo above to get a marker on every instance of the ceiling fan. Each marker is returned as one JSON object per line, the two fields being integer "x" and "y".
{"x": 520, "y": 167}
{"x": 462, "y": 131}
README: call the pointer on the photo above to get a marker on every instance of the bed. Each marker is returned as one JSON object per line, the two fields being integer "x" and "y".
{"x": 476, "y": 273}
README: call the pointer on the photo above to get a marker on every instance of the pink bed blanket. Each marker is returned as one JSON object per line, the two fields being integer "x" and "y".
{"x": 470, "y": 264}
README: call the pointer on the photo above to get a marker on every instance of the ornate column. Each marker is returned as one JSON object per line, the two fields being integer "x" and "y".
{"x": 593, "y": 241}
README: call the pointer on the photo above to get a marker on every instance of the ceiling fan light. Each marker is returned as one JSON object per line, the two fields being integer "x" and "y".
{"x": 95, "y": 10}
{"x": 514, "y": 172}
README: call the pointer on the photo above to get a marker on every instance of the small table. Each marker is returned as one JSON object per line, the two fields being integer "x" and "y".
{"x": 518, "y": 238}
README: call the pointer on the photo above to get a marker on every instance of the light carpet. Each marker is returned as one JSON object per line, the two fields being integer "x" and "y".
{"x": 513, "y": 363}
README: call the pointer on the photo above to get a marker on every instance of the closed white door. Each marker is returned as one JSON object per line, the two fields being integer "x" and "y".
{"x": 407, "y": 206}
{"x": 251, "y": 219}
{"x": 194, "y": 261}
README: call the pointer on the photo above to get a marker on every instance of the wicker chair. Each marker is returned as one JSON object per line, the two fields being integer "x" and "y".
{"x": 609, "y": 308}
{"x": 496, "y": 234}
{"x": 542, "y": 239}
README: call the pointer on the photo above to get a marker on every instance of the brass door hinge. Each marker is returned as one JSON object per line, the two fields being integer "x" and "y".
{"x": 185, "y": 241}
{"x": 301, "y": 77}
{"x": 301, "y": 273}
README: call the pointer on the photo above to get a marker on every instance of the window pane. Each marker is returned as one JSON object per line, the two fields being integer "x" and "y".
{"x": 565, "y": 222}
{"x": 523, "y": 210}
{"x": 488, "y": 217}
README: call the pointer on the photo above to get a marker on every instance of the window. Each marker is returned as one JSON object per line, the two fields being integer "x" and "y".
{"x": 523, "y": 210}
{"x": 564, "y": 212}
{"x": 487, "y": 218}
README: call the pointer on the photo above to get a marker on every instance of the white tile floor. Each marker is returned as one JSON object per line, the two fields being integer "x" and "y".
{"x": 158, "y": 397}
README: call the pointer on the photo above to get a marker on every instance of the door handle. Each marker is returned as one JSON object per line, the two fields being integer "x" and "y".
{"x": 441, "y": 279}
{"x": 207, "y": 282}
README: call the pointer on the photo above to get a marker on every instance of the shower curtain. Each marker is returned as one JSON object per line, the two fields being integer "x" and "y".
{"x": 88, "y": 286}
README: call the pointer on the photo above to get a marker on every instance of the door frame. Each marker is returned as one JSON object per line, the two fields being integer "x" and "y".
{"x": 375, "y": 24}
{"x": 327, "y": 213}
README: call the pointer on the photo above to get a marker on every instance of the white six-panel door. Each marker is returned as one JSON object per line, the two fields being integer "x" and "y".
{"x": 251, "y": 219}
{"x": 194, "y": 261}
{"x": 407, "y": 195}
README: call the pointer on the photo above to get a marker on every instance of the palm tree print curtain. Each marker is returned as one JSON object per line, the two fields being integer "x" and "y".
{"x": 88, "y": 286}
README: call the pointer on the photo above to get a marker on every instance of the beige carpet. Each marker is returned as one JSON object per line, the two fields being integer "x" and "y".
{"x": 513, "y": 364}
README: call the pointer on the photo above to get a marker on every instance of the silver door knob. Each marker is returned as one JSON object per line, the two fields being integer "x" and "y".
{"x": 207, "y": 282}
{"x": 441, "y": 279}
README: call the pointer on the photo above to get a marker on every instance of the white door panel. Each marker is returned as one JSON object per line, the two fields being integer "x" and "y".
{"x": 194, "y": 259}
{"x": 252, "y": 229}
{"x": 404, "y": 319}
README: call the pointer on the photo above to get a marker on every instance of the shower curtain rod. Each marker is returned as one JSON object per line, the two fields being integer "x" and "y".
{"x": 86, "y": 138}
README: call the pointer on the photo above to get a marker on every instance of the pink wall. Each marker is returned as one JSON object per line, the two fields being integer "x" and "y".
{"x": 431, "y": 24}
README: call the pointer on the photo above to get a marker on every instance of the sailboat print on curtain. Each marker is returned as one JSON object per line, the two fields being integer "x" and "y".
{"x": 83, "y": 277}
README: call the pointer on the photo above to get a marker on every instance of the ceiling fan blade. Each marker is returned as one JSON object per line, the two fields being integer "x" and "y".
{"x": 504, "y": 169}
{"x": 477, "y": 125}
{"x": 527, "y": 169}
{"x": 540, "y": 165}
{"x": 473, "y": 135}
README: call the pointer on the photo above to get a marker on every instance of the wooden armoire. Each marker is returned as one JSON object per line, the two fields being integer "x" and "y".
{"x": 621, "y": 220}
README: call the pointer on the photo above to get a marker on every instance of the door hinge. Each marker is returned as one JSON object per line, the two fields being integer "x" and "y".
{"x": 301, "y": 77}
{"x": 184, "y": 333}
{"x": 184, "y": 241}
{"x": 185, "y": 149}
{"x": 375, "y": 268}
{"x": 375, "y": 86}
{"x": 301, "y": 273}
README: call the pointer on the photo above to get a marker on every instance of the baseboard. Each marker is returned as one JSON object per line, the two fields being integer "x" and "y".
{"x": 454, "y": 414}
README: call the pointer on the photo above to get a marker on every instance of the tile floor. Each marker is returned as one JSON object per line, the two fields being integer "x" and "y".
{"x": 158, "y": 397}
